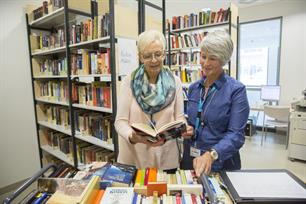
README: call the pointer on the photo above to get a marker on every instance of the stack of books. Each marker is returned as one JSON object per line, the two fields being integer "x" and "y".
{"x": 151, "y": 179}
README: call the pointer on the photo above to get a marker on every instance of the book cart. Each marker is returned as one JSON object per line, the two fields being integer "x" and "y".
{"x": 11, "y": 198}
{"x": 145, "y": 185}
{"x": 103, "y": 186}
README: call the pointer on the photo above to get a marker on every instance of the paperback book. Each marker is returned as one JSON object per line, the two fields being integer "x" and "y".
{"x": 66, "y": 190}
{"x": 118, "y": 195}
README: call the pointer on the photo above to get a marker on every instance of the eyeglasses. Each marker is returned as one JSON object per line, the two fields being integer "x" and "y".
{"x": 149, "y": 56}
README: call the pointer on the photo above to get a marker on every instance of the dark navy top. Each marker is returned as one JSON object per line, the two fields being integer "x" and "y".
{"x": 223, "y": 119}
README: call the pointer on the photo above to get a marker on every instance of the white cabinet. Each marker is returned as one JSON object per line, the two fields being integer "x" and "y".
{"x": 297, "y": 135}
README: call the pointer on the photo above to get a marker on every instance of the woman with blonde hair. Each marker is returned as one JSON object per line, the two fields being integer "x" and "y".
{"x": 152, "y": 95}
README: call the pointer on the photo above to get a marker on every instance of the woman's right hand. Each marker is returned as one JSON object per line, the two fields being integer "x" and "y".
{"x": 189, "y": 132}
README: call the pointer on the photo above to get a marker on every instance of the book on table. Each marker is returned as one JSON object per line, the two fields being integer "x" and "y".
{"x": 118, "y": 195}
{"x": 168, "y": 131}
{"x": 119, "y": 175}
{"x": 66, "y": 190}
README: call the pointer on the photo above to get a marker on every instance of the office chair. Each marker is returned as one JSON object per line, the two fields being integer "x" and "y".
{"x": 278, "y": 117}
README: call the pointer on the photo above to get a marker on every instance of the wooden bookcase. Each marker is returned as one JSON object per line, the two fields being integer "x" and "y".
{"x": 66, "y": 116}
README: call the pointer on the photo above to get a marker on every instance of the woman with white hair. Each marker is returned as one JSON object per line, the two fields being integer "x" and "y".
{"x": 151, "y": 95}
{"x": 217, "y": 110}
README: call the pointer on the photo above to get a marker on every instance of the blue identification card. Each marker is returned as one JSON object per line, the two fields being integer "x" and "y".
{"x": 194, "y": 152}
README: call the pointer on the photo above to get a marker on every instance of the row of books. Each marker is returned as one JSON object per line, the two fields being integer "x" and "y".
{"x": 88, "y": 153}
{"x": 78, "y": 33}
{"x": 87, "y": 191}
{"x": 103, "y": 182}
{"x": 94, "y": 94}
{"x": 57, "y": 115}
{"x": 184, "y": 58}
{"x": 90, "y": 62}
{"x": 144, "y": 176}
{"x": 52, "y": 67}
{"x": 93, "y": 124}
{"x": 53, "y": 91}
{"x": 187, "y": 75}
{"x": 186, "y": 198}
{"x": 202, "y": 18}
{"x": 90, "y": 29}
{"x": 83, "y": 31}
{"x": 59, "y": 141}
{"x": 187, "y": 40}
{"x": 45, "y": 41}
{"x": 46, "y": 8}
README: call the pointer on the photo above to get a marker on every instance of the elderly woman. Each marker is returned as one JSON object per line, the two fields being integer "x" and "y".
{"x": 151, "y": 95}
{"x": 217, "y": 110}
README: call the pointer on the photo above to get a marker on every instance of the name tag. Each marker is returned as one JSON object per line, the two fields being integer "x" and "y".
{"x": 194, "y": 152}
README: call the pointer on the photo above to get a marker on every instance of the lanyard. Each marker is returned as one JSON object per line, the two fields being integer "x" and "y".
{"x": 200, "y": 107}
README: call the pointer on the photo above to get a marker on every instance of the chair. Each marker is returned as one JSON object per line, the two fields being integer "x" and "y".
{"x": 278, "y": 117}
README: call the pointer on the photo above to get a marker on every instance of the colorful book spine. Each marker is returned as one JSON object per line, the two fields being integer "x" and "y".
{"x": 152, "y": 175}
{"x": 146, "y": 178}
{"x": 138, "y": 177}
{"x": 143, "y": 172}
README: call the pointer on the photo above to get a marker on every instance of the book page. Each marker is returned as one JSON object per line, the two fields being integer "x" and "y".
{"x": 170, "y": 125}
{"x": 145, "y": 128}
{"x": 266, "y": 184}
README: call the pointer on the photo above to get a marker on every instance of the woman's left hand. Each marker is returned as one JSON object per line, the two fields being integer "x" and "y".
{"x": 202, "y": 164}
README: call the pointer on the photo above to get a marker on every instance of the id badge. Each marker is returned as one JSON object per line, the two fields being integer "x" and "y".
{"x": 194, "y": 152}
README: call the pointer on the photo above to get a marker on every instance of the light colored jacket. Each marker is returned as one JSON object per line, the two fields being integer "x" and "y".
{"x": 128, "y": 112}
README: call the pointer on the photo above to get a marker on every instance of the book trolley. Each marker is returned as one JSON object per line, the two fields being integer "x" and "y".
{"x": 106, "y": 183}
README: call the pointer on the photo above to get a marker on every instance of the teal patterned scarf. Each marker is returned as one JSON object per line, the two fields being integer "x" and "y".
{"x": 153, "y": 100}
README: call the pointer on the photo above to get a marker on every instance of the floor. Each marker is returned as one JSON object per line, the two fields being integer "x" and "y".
{"x": 271, "y": 155}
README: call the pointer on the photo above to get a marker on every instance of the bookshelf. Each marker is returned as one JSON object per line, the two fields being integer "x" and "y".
{"x": 184, "y": 37}
{"x": 73, "y": 70}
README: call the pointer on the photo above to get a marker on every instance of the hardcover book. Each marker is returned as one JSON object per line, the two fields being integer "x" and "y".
{"x": 169, "y": 131}
{"x": 119, "y": 175}
{"x": 116, "y": 175}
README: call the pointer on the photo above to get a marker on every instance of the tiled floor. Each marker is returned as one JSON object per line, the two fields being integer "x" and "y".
{"x": 272, "y": 155}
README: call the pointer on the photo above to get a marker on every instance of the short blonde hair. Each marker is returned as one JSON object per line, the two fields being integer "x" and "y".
{"x": 219, "y": 44}
{"x": 149, "y": 36}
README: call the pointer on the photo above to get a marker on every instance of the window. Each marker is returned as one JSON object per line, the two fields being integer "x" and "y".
{"x": 259, "y": 53}
{"x": 259, "y": 57}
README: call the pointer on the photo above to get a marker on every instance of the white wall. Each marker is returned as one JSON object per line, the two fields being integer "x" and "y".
{"x": 293, "y": 43}
{"x": 18, "y": 147}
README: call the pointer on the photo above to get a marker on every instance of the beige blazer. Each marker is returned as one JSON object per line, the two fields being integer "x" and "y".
{"x": 128, "y": 112}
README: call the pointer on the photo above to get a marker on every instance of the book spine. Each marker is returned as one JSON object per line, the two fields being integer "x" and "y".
{"x": 146, "y": 176}
{"x": 152, "y": 175}
{"x": 143, "y": 172}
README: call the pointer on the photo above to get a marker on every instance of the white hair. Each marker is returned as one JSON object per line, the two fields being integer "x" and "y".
{"x": 219, "y": 44}
{"x": 149, "y": 36}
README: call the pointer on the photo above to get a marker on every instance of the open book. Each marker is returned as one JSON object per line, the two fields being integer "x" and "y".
{"x": 169, "y": 131}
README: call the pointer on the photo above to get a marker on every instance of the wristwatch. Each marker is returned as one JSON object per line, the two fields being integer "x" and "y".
{"x": 213, "y": 154}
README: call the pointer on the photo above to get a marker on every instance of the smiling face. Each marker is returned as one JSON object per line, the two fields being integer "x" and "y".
{"x": 152, "y": 57}
{"x": 211, "y": 66}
